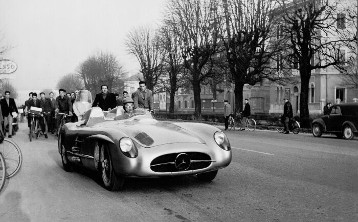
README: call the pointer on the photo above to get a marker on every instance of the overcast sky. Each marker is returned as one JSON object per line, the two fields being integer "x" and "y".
{"x": 50, "y": 38}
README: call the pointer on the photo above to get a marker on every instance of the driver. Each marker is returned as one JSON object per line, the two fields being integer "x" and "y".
{"x": 129, "y": 111}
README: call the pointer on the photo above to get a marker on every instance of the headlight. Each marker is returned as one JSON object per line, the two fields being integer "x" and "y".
{"x": 222, "y": 141}
{"x": 128, "y": 148}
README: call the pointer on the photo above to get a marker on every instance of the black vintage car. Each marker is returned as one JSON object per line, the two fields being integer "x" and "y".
{"x": 342, "y": 121}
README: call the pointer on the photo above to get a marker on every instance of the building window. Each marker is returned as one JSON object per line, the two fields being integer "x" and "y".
{"x": 179, "y": 104}
{"x": 341, "y": 55}
{"x": 279, "y": 63}
{"x": 185, "y": 104}
{"x": 340, "y": 95}
{"x": 341, "y": 20}
{"x": 312, "y": 93}
{"x": 192, "y": 104}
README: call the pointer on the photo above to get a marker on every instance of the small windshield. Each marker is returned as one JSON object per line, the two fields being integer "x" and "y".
{"x": 85, "y": 96}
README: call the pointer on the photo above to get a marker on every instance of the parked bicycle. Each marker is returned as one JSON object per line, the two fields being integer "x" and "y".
{"x": 10, "y": 160}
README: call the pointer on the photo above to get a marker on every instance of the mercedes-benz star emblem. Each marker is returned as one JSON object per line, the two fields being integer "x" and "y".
{"x": 182, "y": 161}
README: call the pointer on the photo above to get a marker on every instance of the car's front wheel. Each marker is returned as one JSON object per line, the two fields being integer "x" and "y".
{"x": 348, "y": 132}
{"x": 207, "y": 177}
{"x": 316, "y": 130}
{"x": 67, "y": 166}
{"x": 110, "y": 180}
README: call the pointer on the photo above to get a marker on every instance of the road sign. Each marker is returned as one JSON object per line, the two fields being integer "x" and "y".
{"x": 7, "y": 66}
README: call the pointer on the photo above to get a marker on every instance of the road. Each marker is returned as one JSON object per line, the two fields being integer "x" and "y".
{"x": 272, "y": 177}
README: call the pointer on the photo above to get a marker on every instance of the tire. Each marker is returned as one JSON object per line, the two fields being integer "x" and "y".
{"x": 316, "y": 130}
{"x": 295, "y": 127}
{"x": 12, "y": 155}
{"x": 110, "y": 180}
{"x": 67, "y": 166}
{"x": 2, "y": 172}
{"x": 32, "y": 130}
{"x": 348, "y": 132}
{"x": 251, "y": 124}
{"x": 207, "y": 177}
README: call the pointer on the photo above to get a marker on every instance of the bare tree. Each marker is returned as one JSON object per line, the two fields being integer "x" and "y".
{"x": 70, "y": 82}
{"x": 174, "y": 71}
{"x": 144, "y": 44}
{"x": 101, "y": 69}
{"x": 6, "y": 85}
{"x": 248, "y": 43}
{"x": 198, "y": 29}
{"x": 305, "y": 25}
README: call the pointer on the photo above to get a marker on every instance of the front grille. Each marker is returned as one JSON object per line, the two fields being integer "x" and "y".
{"x": 166, "y": 163}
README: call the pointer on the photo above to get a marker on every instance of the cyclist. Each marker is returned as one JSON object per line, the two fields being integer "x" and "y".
{"x": 245, "y": 114}
{"x": 227, "y": 113}
{"x": 63, "y": 105}
{"x": 27, "y": 108}
{"x": 287, "y": 115}
{"x": 35, "y": 102}
{"x": 52, "y": 123}
{"x": 46, "y": 106}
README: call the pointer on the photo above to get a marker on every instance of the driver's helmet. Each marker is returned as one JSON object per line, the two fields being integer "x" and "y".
{"x": 125, "y": 101}
{"x": 85, "y": 96}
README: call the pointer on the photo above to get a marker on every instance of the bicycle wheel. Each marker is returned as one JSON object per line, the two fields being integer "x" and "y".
{"x": 295, "y": 127}
{"x": 2, "y": 172}
{"x": 12, "y": 155}
{"x": 251, "y": 124}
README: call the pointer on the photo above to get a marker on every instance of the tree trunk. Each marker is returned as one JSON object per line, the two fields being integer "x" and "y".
{"x": 304, "y": 111}
{"x": 197, "y": 100}
{"x": 172, "y": 103}
{"x": 239, "y": 88}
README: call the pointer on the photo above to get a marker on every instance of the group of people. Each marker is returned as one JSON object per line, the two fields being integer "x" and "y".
{"x": 285, "y": 118}
{"x": 74, "y": 104}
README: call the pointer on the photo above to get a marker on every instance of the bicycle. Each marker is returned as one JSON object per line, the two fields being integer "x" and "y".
{"x": 293, "y": 126}
{"x": 250, "y": 123}
{"x": 34, "y": 125}
{"x": 2, "y": 172}
{"x": 12, "y": 156}
{"x": 231, "y": 122}
{"x": 62, "y": 122}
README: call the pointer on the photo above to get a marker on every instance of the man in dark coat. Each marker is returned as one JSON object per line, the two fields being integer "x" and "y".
{"x": 8, "y": 107}
{"x": 46, "y": 106}
{"x": 63, "y": 105}
{"x": 287, "y": 115}
{"x": 52, "y": 123}
{"x": 105, "y": 100}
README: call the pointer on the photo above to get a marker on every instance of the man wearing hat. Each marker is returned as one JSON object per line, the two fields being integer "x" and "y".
{"x": 129, "y": 111}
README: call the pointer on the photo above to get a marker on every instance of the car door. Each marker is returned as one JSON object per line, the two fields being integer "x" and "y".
{"x": 334, "y": 120}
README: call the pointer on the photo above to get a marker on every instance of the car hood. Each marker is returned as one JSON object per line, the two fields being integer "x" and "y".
{"x": 151, "y": 133}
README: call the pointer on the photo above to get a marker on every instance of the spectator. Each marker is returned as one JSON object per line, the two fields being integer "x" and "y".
{"x": 9, "y": 109}
{"x": 227, "y": 113}
{"x": 143, "y": 97}
{"x": 327, "y": 109}
{"x": 46, "y": 106}
{"x": 105, "y": 100}
{"x": 287, "y": 115}
{"x": 52, "y": 123}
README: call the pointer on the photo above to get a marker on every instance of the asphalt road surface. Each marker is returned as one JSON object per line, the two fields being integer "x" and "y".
{"x": 272, "y": 177}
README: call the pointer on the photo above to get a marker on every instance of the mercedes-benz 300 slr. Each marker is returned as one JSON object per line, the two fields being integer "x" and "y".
{"x": 118, "y": 145}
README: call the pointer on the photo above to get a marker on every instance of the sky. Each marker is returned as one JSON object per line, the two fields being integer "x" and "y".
{"x": 51, "y": 38}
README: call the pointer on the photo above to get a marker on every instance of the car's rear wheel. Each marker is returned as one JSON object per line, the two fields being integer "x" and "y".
{"x": 207, "y": 177}
{"x": 348, "y": 132}
{"x": 316, "y": 130}
{"x": 67, "y": 166}
{"x": 110, "y": 180}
